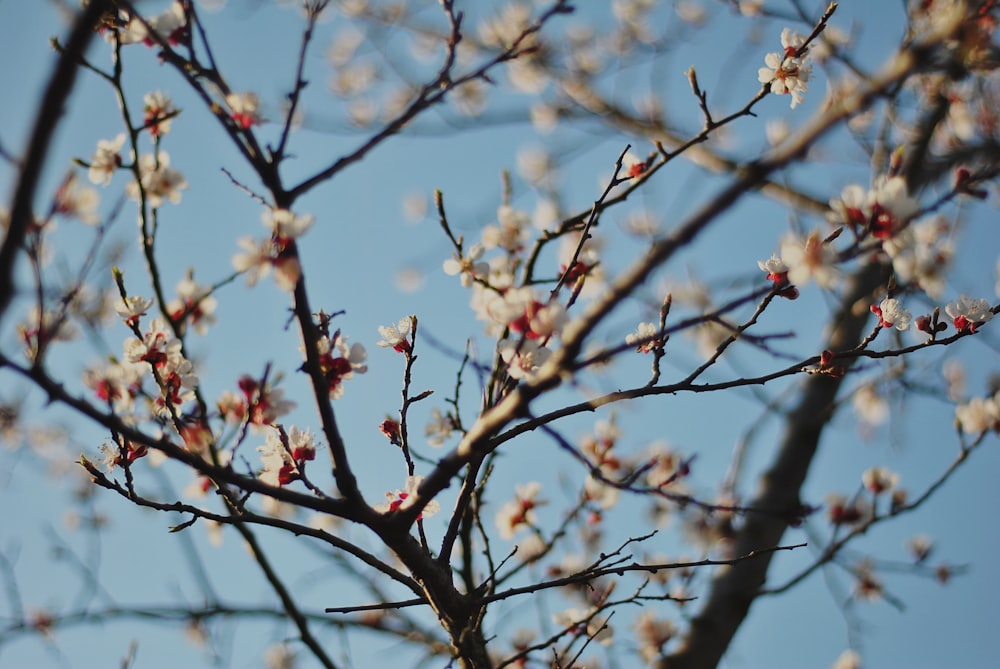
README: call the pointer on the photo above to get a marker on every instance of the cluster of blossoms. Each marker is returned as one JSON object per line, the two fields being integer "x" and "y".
{"x": 257, "y": 258}
{"x": 174, "y": 374}
{"x": 520, "y": 310}
{"x": 284, "y": 454}
{"x": 402, "y": 499}
{"x": 157, "y": 180}
{"x": 980, "y": 414}
{"x": 531, "y": 321}
{"x": 882, "y": 211}
{"x": 158, "y": 111}
{"x": 921, "y": 253}
{"x": 802, "y": 260}
{"x": 194, "y": 305}
{"x": 786, "y": 73}
{"x": 106, "y": 160}
{"x": 440, "y": 428}
{"x": 397, "y": 337}
{"x": 511, "y": 26}
{"x": 968, "y": 314}
{"x": 523, "y": 320}
{"x": 339, "y": 362}
{"x": 511, "y": 232}
{"x": 519, "y": 513}
{"x": 259, "y": 404}
{"x": 653, "y": 633}
{"x": 587, "y": 623}
{"x": 876, "y": 480}
{"x": 116, "y": 384}
{"x": 171, "y": 26}
{"x": 244, "y": 109}
{"x": 534, "y": 323}
{"x": 74, "y": 200}
{"x": 119, "y": 382}
{"x": 644, "y": 339}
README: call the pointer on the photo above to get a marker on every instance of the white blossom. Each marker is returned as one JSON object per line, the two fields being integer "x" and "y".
{"x": 643, "y": 338}
{"x": 774, "y": 267}
{"x": 785, "y": 75}
{"x": 892, "y": 313}
{"x": 244, "y": 109}
{"x": 968, "y": 313}
{"x": 132, "y": 307}
{"x": 106, "y": 160}
{"x": 404, "y": 498}
{"x": 286, "y": 224}
{"x": 523, "y": 358}
{"x": 849, "y": 659}
{"x": 396, "y": 336}
{"x": 469, "y": 267}
{"x": 978, "y": 415}
{"x": 597, "y": 626}
{"x": 75, "y": 200}
{"x": 439, "y": 429}
{"x": 869, "y": 405}
{"x": 809, "y": 258}
{"x": 879, "y": 480}
{"x": 159, "y": 181}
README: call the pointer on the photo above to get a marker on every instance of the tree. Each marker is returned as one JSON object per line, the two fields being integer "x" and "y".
{"x": 786, "y": 282}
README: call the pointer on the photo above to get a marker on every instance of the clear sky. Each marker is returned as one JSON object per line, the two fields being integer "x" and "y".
{"x": 363, "y": 239}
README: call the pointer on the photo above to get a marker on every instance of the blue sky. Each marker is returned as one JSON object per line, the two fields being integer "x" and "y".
{"x": 360, "y": 241}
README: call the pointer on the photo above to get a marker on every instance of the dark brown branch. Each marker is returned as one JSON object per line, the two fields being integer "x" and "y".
{"x": 477, "y": 440}
{"x": 806, "y": 365}
{"x": 618, "y": 570}
{"x": 831, "y": 551}
{"x": 50, "y": 112}
{"x": 431, "y": 94}
{"x": 734, "y": 590}
{"x": 57, "y": 393}
{"x": 245, "y": 516}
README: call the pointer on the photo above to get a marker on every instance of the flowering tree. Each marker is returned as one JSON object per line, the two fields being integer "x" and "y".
{"x": 526, "y": 464}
